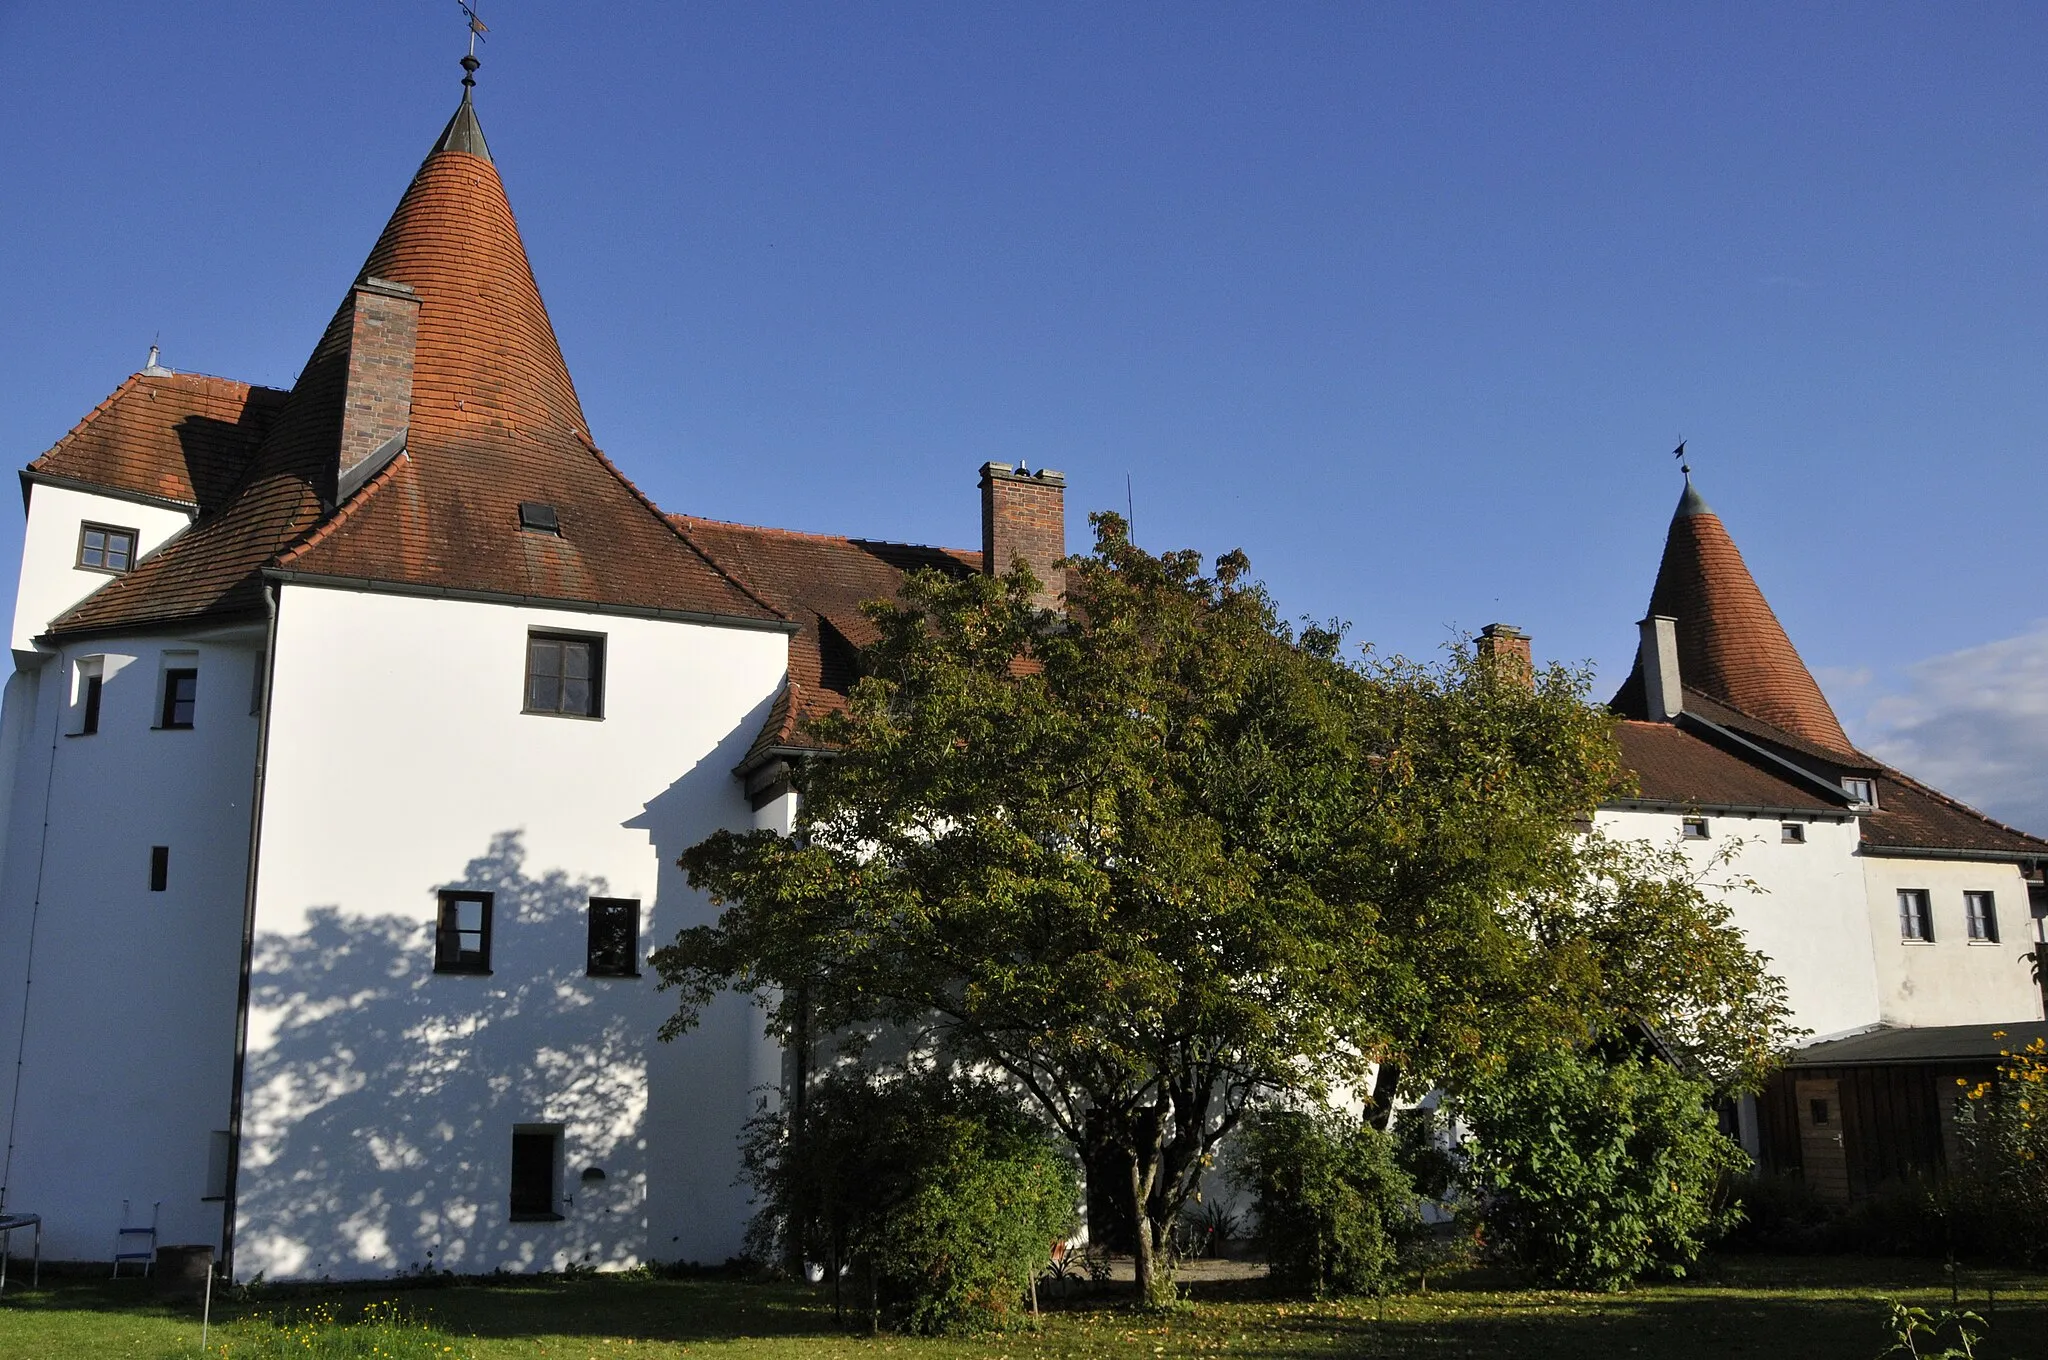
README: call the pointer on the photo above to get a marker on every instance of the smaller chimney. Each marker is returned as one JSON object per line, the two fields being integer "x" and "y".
{"x": 1024, "y": 515}
{"x": 383, "y": 329}
{"x": 1506, "y": 648}
{"x": 1659, "y": 656}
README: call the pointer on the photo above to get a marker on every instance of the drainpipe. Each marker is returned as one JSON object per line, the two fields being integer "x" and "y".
{"x": 271, "y": 591}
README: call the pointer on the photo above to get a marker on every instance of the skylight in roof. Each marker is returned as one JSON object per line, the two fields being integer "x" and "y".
{"x": 540, "y": 517}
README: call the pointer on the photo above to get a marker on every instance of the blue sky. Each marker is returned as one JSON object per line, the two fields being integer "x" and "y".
{"x": 1409, "y": 302}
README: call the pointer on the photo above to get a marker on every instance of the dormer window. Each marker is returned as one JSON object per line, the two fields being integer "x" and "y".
{"x": 539, "y": 517}
{"x": 102, "y": 547}
{"x": 1863, "y": 791}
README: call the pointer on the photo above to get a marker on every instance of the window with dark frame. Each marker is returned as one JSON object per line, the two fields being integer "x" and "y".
{"x": 614, "y": 937}
{"x": 1916, "y": 915}
{"x": 565, "y": 675}
{"x": 1693, "y": 828}
{"x": 89, "y": 717}
{"x": 1792, "y": 833}
{"x": 159, "y": 868}
{"x": 1862, "y": 790}
{"x": 536, "y": 1156}
{"x": 102, "y": 547}
{"x": 462, "y": 933}
{"x": 1980, "y": 910}
{"x": 1820, "y": 1113}
{"x": 181, "y": 697}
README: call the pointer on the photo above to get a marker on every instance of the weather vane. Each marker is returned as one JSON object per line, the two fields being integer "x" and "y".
{"x": 1679, "y": 454}
{"x": 477, "y": 28}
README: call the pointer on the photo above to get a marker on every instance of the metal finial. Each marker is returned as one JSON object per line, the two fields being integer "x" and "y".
{"x": 477, "y": 29}
{"x": 1683, "y": 466}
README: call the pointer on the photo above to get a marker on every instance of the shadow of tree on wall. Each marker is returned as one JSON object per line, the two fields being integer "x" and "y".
{"x": 381, "y": 1096}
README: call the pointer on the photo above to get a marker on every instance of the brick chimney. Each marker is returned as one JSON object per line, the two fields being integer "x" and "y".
{"x": 1024, "y": 514}
{"x": 1506, "y": 647}
{"x": 1663, "y": 695}
{"x": 383, "y": 329}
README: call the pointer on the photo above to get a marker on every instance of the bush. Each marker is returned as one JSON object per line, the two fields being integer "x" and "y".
{"x": 2001, "y": 1192}
{"x": 1594, "y": 1174}
{"x": 938, "y": 1199}
{"x": 1333, "y": 1208}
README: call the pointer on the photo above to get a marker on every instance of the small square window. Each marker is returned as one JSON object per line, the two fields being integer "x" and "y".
{"x": 102, "y": 547}
{"x": 1693, "y": 828}
{"x": 1820, "y": 1113}
{"x": 614, "y": 937}
{"x": 86, "y": 695}
{"x": 1916, "y": 915}
{"x": 159, "y": 867}
{"x": 1980, "y": 909}
{"x": 181, "y": 698}
{"x": 536, "y": 1172}
{"x": 539, "y": 517}
{"x": 565, "y": 674}
{"x": 462, "y": 934}
{"x": 1792, "y": 833}
{"x": 1861, "y": 790}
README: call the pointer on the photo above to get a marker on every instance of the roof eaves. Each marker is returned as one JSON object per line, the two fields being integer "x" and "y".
{"x": 1961, "y": 807}
{"x": 633, "y": 611}
{"x": 30, "y": 476}
{"x": 1733, "y": 809}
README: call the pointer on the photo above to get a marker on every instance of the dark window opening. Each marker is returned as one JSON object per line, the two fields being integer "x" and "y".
{"x": 159, "y": 867}
{"x": 565, "y": 675}
{"x": 614, "y": 937}
{"x": 102, "y": 547}
{"x": 540, "y": 517}
{"x": 535, "y": 1156}
{"x": 1981, "y": 910}
{"x": 1693, "y": 828}
{"x": 1792, "y": 833}
{"x": 89, "y": 721}
{"x": 838, "y": 659}
{"x": 1820, "y": 1111}
{"x": 462, "y": 934}
{"x": 1916, "y": 915}
{"x": 181, "y": 697}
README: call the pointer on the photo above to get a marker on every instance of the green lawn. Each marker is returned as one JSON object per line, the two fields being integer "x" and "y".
{"x": 1815, "y": 1309}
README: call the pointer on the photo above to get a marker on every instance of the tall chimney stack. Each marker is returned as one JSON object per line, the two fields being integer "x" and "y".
{"x": 1662, "y": 692}
{"x": 1506, "y": 648}
{"x": 1024, "y": 515}
{"x": 383, "y": 330}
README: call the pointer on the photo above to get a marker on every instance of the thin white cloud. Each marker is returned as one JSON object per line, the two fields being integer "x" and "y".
{"x": 1974, "y": 724}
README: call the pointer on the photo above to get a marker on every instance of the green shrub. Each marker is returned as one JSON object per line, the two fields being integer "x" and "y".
{"x": 936, "y": 1200}
{"x": 2000, "y": 1193}
{"x": 1593, "y": 1174}
{"x": 1333, "y": 1209}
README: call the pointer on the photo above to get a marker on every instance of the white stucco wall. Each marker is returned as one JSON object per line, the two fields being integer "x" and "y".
{"x": 1811, "y": 920}
{"x": 127, "y": 1056}
{"x": 1953, "y": 980}
{"x": 51, "y": 579}
{"x": 382, "y": 1096}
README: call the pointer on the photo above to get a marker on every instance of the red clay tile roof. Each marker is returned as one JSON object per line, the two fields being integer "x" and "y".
{"x": 1911, "y": 816}
{"x": 1679, "y": 768}
{"x": 495, "y": 421}
{"x": 182, "y": 437}
{"x": 1730, "y": 645}
{"x": 819, "y": 581}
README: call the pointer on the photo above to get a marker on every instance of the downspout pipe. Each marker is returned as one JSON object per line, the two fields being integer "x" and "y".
{"x": 271, "y": 591}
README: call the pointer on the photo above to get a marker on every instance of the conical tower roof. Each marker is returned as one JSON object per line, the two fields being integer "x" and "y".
{"x": 494, "y": 423}
{"x": 1731, "y": 646}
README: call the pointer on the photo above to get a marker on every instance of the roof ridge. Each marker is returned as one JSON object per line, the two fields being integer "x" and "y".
{"x": 669, "y": 524}
{"x": 852, "y": 539}
{"x": 106, "y": 404}
{"x": 1795, "y": 738}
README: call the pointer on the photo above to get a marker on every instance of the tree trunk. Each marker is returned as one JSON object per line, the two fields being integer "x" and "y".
{"x": 1141, "y": 1234}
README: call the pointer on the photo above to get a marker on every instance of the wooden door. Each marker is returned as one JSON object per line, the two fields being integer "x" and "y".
{"x": 1820, "y": 1137}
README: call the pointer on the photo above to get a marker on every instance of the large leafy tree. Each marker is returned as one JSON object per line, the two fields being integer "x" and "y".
{"x": 1158, "y": 857}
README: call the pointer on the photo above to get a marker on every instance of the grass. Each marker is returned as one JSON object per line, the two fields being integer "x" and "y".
{"x": 1812, "y": 1308}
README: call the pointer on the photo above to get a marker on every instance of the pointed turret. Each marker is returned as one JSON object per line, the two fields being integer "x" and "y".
{"x": 434, "y": 439}
{"x": 1730, "y": 646}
